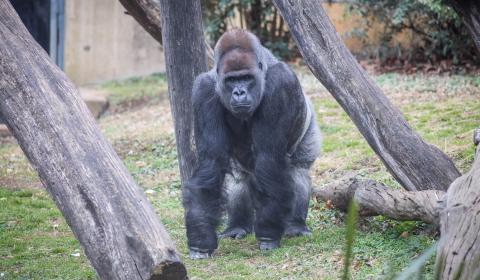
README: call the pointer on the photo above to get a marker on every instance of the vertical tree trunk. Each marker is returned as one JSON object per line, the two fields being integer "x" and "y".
{"x": 181, "y": 31}
{"x": 110, "y": 216}
{"x": 185, "y": 57}
{"x": 415, "y": 164}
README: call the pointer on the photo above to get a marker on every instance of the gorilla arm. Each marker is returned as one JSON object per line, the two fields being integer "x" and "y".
{"x": 202, "y": 195}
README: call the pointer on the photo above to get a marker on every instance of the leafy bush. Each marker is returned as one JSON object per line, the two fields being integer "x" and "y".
{"x": 438, "y": 32}
{"x": 258, "y": 16}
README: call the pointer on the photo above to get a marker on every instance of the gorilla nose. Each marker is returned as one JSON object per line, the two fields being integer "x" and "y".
{"x": 238, "y": 92}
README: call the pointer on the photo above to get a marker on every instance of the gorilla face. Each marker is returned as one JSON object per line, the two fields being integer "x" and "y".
{"x": 241, "y": 84}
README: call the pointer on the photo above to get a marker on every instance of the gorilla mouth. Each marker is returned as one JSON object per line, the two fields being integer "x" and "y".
{"x": 241, "y": 105}
{"x": 241, "y": 109}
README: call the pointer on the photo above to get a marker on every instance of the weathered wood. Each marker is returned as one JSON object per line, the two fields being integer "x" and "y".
{"x": 110, "y": 216}
{"x": 375, "y": 199}
{"x": 469, "y": 12}
{"x": 147, "y": 13}
{"x": 415, "y": 164}
{"x": 458, "y": 252}
{"x": 185, "y": 58}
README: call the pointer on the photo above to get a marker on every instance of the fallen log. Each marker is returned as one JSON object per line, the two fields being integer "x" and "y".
{"x": 374, "y": 199}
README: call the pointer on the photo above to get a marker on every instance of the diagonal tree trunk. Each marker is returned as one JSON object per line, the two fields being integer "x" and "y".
{"x": 147, "y": 13}
{"x": 109, "y": 215}
{"x": 415, "y": 164}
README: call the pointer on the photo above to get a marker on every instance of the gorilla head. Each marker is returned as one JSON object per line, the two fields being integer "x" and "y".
{"x": 241, "y": 72}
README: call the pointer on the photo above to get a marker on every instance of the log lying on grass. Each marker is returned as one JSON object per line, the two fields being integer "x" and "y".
{"x": 415, "y": 164}
{"x": 110, "y": 216}
{"x": 374, "y": 199}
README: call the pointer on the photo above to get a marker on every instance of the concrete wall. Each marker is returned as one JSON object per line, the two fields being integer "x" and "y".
{"x": 102, "y": 43}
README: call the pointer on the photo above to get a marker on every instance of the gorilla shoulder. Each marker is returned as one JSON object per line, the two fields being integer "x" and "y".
{"x": 203, "y": 86}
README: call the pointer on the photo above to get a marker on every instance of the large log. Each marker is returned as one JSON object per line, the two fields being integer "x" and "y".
{"x": 415, "y": 164}
{"x": 109, "y": 215}
{"x": 458, "y": 252}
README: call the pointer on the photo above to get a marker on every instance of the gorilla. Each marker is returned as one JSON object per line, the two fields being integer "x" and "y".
{"x": 256, "y": 139}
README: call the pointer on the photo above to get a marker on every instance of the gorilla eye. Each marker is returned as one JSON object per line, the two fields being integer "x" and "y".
{"x": 260, "y": 65}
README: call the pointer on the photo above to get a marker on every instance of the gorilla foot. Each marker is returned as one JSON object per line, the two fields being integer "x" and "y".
{"x": 293, "y": 231}
{"x": 267, "y": 244}
{"x": 236, "y": 233}
{"x": 198, "y": 254}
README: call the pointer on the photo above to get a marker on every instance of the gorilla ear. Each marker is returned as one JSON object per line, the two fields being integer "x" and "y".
{"x": 260, "y": 65}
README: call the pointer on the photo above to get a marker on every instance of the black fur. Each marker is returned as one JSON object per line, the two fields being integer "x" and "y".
{"x": 254, "y": 165}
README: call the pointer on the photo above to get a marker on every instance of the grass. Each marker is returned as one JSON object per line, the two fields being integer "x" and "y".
{"x": 136, "y": 89}
{"x": 36, "y": 243}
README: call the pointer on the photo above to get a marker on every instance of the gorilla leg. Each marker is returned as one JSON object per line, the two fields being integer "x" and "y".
{"x": 273, "y": 197}
{"x": 296, "y": 225}
{"x": 239, "y": 206}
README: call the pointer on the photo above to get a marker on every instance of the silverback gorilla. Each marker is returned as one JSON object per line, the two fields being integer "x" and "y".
{"x": 256, "y": 139}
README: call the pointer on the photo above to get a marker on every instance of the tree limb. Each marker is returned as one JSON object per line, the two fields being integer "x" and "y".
{"x": 374, "y": 199}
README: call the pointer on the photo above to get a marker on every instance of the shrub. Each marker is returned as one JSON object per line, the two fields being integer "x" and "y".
{"x": 439, "y": 32}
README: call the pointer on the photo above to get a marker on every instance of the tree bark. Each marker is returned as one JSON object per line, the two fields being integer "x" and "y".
{"x": 458, "y": 252}
{"x": 375, "y": 199}
{"x": 110, "y": 216}
{"x": 185, "y": 59}
{"x": 469, "y": 12}
{"x": 415, "y": 164}
{"x": 147, "y": 13}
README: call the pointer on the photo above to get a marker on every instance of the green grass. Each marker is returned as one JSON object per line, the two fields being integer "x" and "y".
{"x": 36, "y": 243}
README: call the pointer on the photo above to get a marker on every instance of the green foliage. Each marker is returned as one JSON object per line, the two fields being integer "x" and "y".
{"x": 437, "y": 32}
{"x": 259, "y": 16}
